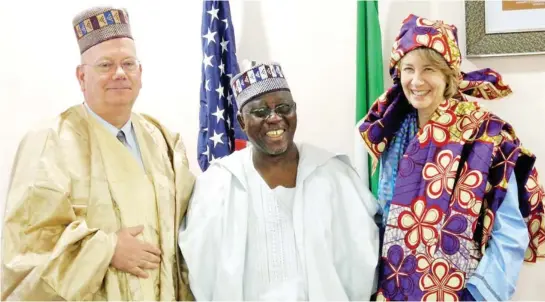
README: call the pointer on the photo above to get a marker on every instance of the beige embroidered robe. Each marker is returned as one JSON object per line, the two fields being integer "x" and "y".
{"x": 73, "y": 185}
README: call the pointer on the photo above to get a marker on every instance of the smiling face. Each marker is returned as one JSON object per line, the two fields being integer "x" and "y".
{"x": 423, "y": 80}
{"x": 270, "y": 131}
{"x": 108, "y": 79}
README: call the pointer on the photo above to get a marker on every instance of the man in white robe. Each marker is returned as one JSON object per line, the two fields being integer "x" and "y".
{"x": 278, "y": 220}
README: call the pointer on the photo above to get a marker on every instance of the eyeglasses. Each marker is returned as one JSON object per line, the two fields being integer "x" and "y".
{"x": 280, "y": 110}
{"x": 130, "y": 65}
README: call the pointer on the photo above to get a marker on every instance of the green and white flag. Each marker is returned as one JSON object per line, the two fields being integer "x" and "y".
{"x": 369, "y": 81}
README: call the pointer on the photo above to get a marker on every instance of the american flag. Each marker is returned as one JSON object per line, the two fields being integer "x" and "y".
{"x": 219, "y": 133}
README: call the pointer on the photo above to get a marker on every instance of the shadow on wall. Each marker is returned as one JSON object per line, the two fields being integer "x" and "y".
{"x": 253, "y": 42}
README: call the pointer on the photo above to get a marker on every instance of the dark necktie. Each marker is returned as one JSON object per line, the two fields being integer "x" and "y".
{"x": 121, "y": 137}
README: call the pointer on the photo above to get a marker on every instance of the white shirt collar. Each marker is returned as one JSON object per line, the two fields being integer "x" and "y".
{"x": 113, "y": 129}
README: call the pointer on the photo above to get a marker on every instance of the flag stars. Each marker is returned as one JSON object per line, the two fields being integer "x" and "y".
{"x": 207, "y": 61}
{"x": 213, "y": 159}
{"x": 216, "y": 139}
{"x": 222, "y": 69}
{"x": 219, "y": 90}
{"x": 207, "y": 152}
{"x": 228, "y": 123}
{"x": 223, "y": 44}
{"x": 219, "y": 114}
{"x": 214, "y": 14}
{"x": 210, "y": 37}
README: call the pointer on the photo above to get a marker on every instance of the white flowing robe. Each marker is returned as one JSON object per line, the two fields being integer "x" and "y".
{"x": 335, "y": 233}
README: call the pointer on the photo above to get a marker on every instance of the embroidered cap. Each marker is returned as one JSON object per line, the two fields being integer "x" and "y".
{"x": 257, "y": 80}
{"x": 99, "y": 24}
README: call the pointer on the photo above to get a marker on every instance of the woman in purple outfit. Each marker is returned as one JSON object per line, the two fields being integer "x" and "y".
{"x": 461, "y": 203}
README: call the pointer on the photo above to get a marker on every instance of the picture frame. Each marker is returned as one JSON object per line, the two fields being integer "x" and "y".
{"x": 521, "y": 39}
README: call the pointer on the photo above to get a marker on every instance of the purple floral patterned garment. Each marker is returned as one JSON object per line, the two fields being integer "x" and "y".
{"x": 452, "y": 178}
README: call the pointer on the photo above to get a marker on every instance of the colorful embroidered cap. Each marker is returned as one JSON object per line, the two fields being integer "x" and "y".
{"x": 257, "y": 80}
{"x": 417, "y": 32}
{"x": 420, "y": 32}
{"x": 99, "y": 24}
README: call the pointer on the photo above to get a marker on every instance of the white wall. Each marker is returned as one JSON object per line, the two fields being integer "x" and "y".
{"x": 314, "y": 41}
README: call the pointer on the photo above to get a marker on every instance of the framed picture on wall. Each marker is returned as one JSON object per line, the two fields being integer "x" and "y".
{"x": 505, "y": 27}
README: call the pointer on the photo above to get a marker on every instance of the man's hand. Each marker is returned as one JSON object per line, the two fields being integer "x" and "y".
{"x": 132, "y": 255}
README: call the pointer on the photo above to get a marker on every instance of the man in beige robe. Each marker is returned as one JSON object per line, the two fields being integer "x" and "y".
{"x": 97, "y": 195}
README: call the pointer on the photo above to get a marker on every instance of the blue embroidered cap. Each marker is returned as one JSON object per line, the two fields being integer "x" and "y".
{"x": 257, "y": 80}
